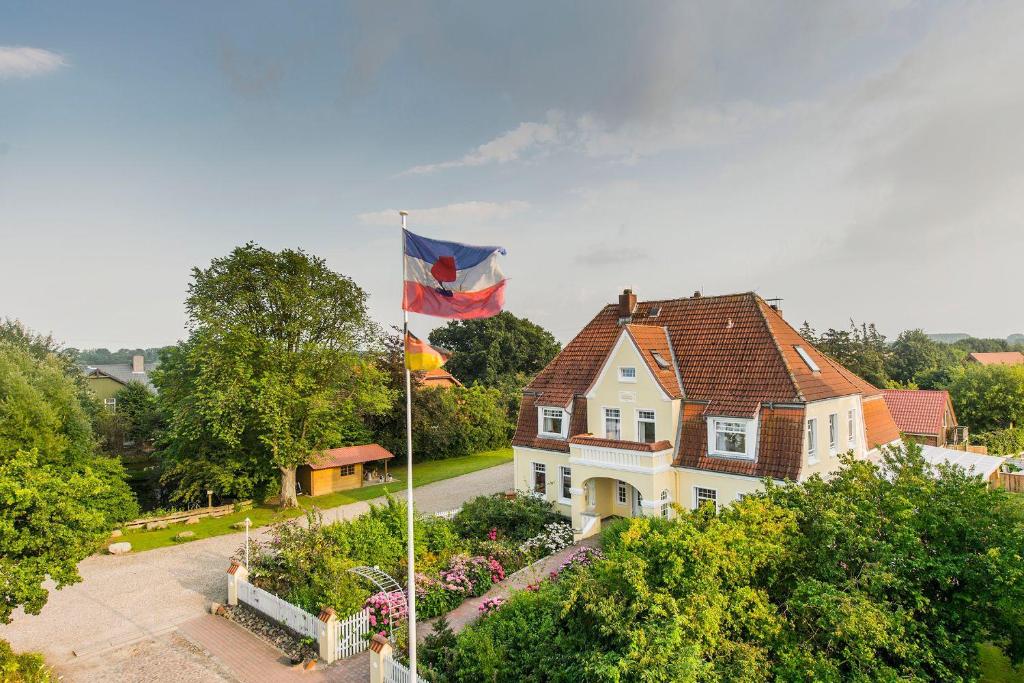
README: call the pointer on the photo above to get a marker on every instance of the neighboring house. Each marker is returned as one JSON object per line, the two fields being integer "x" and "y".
{"x": 339, "y": 469}
{"x": 439, "y": 378}
{"x": 925, "y": 416}
{"x": 687, "y": 401}
{"x": 106, "y": 380}
{"x": 999, "y": 358}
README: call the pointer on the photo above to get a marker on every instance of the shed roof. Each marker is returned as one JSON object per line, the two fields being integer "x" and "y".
{"x": 349, "y": 455}
{"x": 918, "y": 411}
{"x": 973, "y": 463}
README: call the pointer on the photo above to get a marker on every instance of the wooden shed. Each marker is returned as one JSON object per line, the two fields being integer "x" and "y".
{"x": 339, "y": 469}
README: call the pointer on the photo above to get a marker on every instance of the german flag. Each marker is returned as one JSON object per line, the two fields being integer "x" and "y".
{"x": 420, "y": 355}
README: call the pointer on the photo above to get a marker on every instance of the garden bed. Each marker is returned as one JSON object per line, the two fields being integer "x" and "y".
{"x": 292, "y": 644}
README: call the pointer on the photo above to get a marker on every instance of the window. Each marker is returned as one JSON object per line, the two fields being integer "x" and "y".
{"x": 806, "y": 358}
{"x": 666, "y": 505}
{"x": 346, "y": 470}
{"x": 110, "y": 404}
{"x": 627, "y": 374}
{"x": 540, "y": 479}
{"x": 645, "y": 426}
{"x": 623, "y": 495}
{"x": 660, "y": 360}
{"x": 565, "y": 474}
{"x": 702, "y": 496}
{"x": 552, "y": 421}
{"x": 730, "y": 437}
{"x": 833, "y": 433}
{"x": 851, "y": 429}
{"x": 812, "y": 439}
{"x": 612, "y": 423}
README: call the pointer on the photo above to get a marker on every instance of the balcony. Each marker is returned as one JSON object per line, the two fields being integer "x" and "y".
{"x": 624, "y": 456}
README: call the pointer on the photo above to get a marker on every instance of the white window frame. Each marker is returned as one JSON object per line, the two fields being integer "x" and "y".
{"x": 624, "y": 374}
{"x": 811, "y": 439}
{"x": 621, "y": 493}
{"x": 110, "y": 404}
{"x": 540, "y": 422}
{"x": 750, "y": 437}
{"x": 851, "y": 426}
{"x": 541, "y": 469}
{"x": 604, "y": 415}
{"x": 564, "y": 487}
{"x": 700, "y": 495}
{"x": 641, "y": 420}
{"x": 666, "y": 504}
{"x": 833, "y": 433}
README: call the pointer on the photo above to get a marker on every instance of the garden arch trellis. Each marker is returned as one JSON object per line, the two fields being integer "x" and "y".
{"x": 387, "y": 585}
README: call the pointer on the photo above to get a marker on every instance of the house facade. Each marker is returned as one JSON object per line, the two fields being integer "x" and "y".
{"x": 105, "y": 381}
{"x": 689, "y": 401}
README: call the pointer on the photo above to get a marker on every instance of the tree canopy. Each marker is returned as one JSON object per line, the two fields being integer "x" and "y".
{"x": 275, "y": 368}
{"x": 489, "y": 349}
{"x": 58, "y": 498}
{"x": 862, "y": 577}
{"x": 988, "y": 397}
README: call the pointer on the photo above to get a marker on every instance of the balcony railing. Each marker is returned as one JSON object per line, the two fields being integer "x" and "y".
{"x": 956, "y": 435}
{"x": 620, "y": 458}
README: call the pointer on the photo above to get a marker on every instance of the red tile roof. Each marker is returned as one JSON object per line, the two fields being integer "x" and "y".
{"x": 734, "y": 353}
{"x": 437, "y": 378}
{"x": 918, "y": 411}
{"x": 349, "y": 455}
{"x": 878, "y": 422}
{"x": 591, "y": 440}
{"x": 1000, "y": 358}
{"x": 651, "y": 339}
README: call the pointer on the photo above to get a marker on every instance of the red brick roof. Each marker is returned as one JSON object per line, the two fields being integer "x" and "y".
{"x": 918, "y": 411}
{"x": 734, "y": 353}
{"x": 1000, "y": 358}
{"x": 591, "y": 440}
{"x": 349, "y": 455}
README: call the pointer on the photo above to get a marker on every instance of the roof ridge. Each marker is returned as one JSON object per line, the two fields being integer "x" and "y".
{"x": 778, "y": 349}
{"x": 702, "y": 297}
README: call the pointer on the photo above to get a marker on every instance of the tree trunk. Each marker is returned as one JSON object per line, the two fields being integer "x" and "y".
{"x": 288, "y": 499}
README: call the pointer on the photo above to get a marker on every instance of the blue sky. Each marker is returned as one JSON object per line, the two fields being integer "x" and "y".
{"x": 857, "y": 159}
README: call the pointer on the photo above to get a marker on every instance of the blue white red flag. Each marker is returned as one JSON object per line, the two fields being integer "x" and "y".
{"x": 452, "y": 280}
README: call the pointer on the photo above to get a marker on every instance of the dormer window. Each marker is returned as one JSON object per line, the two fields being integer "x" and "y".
{"x": 552, "y": 423}
{"x": 732, "y": 437}
{"x": 627, "y": 374}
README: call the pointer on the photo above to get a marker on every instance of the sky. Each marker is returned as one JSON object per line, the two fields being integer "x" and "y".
{"x": 859, "y": 160}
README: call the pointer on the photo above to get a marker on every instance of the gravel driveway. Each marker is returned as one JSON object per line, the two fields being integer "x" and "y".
{"x": 123, "y": 600}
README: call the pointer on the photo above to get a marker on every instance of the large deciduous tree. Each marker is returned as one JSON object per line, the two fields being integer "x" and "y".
{"x": 58, "y": 497}
{"x": 988, "y": 397}
{"x": 276, "y": 366}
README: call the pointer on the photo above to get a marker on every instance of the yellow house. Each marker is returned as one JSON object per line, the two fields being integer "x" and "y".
{"x": 106, "y": 381}
{"x": 339, "y": 469}
{"x": 690, "y": 401}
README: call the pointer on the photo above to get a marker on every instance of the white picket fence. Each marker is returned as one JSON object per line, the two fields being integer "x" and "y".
{"x": 352, "y": 634}
{"x": 396, "y": 672}
{"x": 448, "y": 514}
{"x": 281, "y": 611}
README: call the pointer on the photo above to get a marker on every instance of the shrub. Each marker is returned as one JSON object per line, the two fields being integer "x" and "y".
{"x": 434, "y": 597}
{"x": 554, "y": 537}
{"x": 518, "y": 518}
{"x": 387, "y": 611}
{"x": 27, "y": 667}
{"x": 1008, "y": 441}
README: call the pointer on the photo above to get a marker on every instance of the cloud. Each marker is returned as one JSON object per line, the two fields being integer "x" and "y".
{"x": 25, "y": 62}
{"x": 529, "y": 136}
{"x": 605, "y": 255}
{"x": 462, "y": 214}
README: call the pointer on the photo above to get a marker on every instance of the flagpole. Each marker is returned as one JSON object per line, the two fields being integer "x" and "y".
{"x": 411, "y": 587}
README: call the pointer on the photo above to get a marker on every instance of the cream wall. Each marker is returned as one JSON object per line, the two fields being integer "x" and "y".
{"x": 609, "y": 392}
{"x": 827, "y": 461}
{"x": 523, "y": 459}
{"x": 728, "y": 486}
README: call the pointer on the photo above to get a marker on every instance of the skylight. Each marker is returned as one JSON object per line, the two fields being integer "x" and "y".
{"x": 802, "y": 352}
{"x": 653, "y": 313}
{"x": 660, "y": 360}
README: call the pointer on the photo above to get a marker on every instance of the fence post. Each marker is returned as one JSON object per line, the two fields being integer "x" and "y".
{"x": 236, "y": 574}
{"x": 380, "y": 649}
{"x": 328, "y": 639}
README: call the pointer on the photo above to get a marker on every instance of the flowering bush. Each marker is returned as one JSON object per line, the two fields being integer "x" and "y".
{"x": 554, "y": 537}
{"x": 387, "y": 610}
{"x": 489, "y": 605}
{"x": 581, "y": 557}
{"x": 434, "y": 597}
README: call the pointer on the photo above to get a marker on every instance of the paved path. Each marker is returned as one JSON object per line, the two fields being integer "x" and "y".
{"x": 141, "y": 598}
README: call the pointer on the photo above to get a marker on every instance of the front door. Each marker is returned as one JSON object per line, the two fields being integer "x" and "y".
{"x": 638, "y": 509}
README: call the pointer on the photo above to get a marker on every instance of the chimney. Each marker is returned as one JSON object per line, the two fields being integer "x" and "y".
{"x": 627, "y": 303}
{"x": 138, "y": 364}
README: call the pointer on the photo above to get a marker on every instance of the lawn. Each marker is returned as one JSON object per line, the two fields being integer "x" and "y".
{"x": 996, "y": 668}
{"x": 261, "y": 515}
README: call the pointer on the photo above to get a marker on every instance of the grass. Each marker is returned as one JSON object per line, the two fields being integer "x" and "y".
{"x": 996, "y": 668}
{"x": 262, "y": 515}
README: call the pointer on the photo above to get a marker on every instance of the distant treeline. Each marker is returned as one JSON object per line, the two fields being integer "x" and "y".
{"x": 103, "y": 356}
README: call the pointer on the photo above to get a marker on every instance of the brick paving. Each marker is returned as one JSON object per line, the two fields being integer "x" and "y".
{"x": 252, "y": 660}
